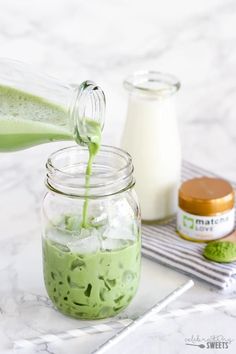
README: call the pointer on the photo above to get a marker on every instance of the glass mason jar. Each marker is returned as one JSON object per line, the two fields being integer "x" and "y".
{"x": 151, "y": 136}
{"x": 36, "y": 108}
{"x": 92, "y": 272}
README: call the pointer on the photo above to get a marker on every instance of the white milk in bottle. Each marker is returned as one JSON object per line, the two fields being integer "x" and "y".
{"x": 151, "y": 137}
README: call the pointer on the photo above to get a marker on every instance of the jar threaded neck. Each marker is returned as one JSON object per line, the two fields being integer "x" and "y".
{"x": 112, "y": 172}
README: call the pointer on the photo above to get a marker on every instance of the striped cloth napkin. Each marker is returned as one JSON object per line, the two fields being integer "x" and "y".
{"x": 162, "y": 244}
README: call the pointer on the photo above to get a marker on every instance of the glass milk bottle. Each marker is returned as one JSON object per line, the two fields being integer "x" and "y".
{"x": 151, "y": 136}
{"x": 36, "y": 109}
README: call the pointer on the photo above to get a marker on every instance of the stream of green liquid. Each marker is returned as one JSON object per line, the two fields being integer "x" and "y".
{"x": 94, "y": 144}
{"x": 27, "y": 120}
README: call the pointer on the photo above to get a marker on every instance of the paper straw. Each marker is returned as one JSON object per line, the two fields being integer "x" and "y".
{"x": 119, "y": 324}
{"x": 73, "y": 333}
{"x": 196, "y": 308}
{"x": 143, "y": 318}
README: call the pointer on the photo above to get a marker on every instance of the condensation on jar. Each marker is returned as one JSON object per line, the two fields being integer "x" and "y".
{"x": 206, "y": 209}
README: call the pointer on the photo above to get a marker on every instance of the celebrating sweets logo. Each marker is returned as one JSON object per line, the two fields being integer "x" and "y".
{"x": 212, "y": 342}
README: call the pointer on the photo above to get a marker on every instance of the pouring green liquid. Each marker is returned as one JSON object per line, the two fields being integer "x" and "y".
{"x": 89, "y": 284}
{"x": 94, "y": 144}
{"x": 27, "y": 120}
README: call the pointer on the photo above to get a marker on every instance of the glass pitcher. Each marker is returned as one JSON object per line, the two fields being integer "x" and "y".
{"x": 36, "y": 108}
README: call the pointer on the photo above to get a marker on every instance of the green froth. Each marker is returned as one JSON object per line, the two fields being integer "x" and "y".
{"x": 27, "y": 120}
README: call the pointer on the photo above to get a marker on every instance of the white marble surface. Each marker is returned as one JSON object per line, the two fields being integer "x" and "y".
{"x": 106, "y": 40}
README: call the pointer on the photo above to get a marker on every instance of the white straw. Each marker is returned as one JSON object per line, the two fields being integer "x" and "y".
{"x": 143, "y": 318}
{"x": 120, "y": 324}
{"x": 198, "y": 308}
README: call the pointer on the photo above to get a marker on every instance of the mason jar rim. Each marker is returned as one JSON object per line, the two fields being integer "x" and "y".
{"x": 153, "y": 83}
{"x": 106, "y": 179}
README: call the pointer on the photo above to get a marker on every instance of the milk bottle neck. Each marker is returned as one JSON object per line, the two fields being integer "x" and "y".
{"x": 152, "y": 84}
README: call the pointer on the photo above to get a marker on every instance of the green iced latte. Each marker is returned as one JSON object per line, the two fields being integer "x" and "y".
{"x": 91, "y": 285}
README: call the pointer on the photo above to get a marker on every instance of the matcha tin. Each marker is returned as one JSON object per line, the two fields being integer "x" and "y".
{"x": 206, "y": 209}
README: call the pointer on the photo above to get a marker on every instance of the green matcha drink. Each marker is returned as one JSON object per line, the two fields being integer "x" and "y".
{"x": 27, "y": 120}
{"x": 81, "y": 282}
{"x": 91, "y": 244}
{"x": 94, "y": 143}
{"x": 91, "y": 285}
{"x": 18, "y": 134}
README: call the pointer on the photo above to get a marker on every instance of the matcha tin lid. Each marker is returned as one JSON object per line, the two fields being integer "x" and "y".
{"x": 206, "y": 196}
{"x": 206, "y": 209}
